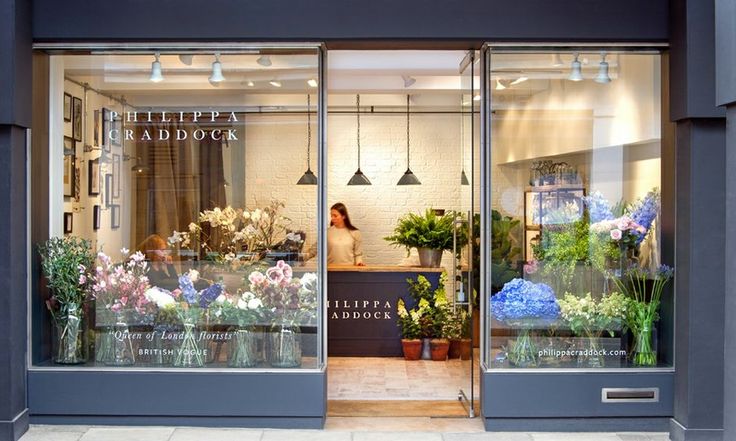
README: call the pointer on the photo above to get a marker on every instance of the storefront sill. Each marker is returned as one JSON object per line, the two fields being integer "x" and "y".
{"x": 189, "y": 421}
{"x": 577, "y": 424}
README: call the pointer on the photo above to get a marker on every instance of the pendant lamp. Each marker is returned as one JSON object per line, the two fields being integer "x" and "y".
{"x": 358, "y": 178}
{"x": 408, "y": 178}
{"x": 308, "y": 178}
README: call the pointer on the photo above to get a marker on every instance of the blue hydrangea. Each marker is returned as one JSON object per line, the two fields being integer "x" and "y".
{"x": 598, "y": 207}
{"x": 187, "y": 289}
{"x": 520, "y": 299}
{"x": 210, "y": 294}
{"x": 645, "y": 211}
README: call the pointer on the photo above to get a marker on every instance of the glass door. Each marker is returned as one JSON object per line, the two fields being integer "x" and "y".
{"x": 465, "y": 274}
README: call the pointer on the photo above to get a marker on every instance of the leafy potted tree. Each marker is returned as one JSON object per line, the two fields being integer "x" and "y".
{"x": 430, "y": 234}
{"x": 411, "y": 330}
{"x": 457, "y": 329}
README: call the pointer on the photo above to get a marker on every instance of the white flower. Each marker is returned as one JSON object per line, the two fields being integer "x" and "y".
{"x": 193, "y": 227}
{"x": 161, "y": 298}
{"x": 255, "y": 304}
{"x": 124, "y": 251}
{"x": 242, "y": 305}
{"x": 221, "y": 299}
{"x": 193, "y": 275}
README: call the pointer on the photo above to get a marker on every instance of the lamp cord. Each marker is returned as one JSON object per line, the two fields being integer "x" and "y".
{"x": 357, "y": 103}
{"x": 309, "y": 130}
{"x": 407, "y": 132}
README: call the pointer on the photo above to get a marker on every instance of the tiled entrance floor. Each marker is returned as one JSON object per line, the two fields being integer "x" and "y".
{"x": 386, "y": 378}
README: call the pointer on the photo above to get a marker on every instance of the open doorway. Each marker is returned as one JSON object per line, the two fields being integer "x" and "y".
{"x": 403, "y": 155}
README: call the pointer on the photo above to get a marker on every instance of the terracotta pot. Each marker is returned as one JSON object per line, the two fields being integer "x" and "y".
{"x": 439, "y": 348}
{"x": 460, "y": 349}
{"x": 412, "y": 348}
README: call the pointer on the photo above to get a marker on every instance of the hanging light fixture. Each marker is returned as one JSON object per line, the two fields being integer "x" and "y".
{"x": 264, "y": 60}
{"x": 216, "y": 76}
{"x": 358, "y": 178}
{"x": 308, "y": 178}
{"x": 408, "y": 178}
{"x": 139, "y": 167}
{"x": 156, "y": 75}
{"x": 463, "y": 176}
{"x": 602, "y": 76}
{"x": 575, "y": 73}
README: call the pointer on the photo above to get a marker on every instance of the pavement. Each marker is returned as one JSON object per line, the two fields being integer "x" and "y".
{"x": 336, "y": 429}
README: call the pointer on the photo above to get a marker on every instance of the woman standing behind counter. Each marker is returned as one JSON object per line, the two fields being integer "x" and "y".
{"x": 344, "y": 241}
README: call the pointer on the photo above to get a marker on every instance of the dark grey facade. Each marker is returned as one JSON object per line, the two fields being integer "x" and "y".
{"x": 698, "y": 191}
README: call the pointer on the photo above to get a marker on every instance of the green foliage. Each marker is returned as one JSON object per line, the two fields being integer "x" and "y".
{"x": 410, "y": 322}
{"x": 66, "y": 262}
{"x": 457, "y": 325}
{"x": 588, "y": 317}
{"x": 503, "y": 250}
{"x": 430, "y": 316}
{"x": 427, "y": 231}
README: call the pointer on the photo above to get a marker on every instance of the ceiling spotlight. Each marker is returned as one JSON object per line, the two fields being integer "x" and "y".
{"x": 250, "y": 83}
{"x": 575, "y": 73}
{"x": 408, "y": 81}
{"x": 216, "y": 76}
{"x": 312, "y": 82}
{"x": 156, "y": 75}
{"x": 476, "y": 97}
{"x": 264, "y": 60}
{"x": 519, "y": 81}
{"x": 275, "y": 83}
{"x": 602, "y": 76}
{"x": 186, "y": 59}
{"x": 499, "y": 85}
{"x": 557, "y": 61}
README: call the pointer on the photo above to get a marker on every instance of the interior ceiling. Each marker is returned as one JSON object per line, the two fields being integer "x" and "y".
{"x": 380, "y": 75}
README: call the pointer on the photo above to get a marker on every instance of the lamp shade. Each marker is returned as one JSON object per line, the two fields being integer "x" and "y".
{"x": 576, "y": 73}
{"x": 359, "y": 179}
{"x": 409, "y": 178}
{"x": 603, "y": 76}
{"x": 156, "y": 75}
{"x": 308, "y": 178}
{"x": 217, "y": 76}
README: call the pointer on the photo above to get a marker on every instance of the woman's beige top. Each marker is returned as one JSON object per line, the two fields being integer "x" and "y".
{"x": 344, "y": 246}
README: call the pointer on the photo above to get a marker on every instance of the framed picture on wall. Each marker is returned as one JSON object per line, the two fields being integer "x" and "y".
{"x": 67, "y": 107}
{"x": 68, "y": 219}
{"x": 115, "y": 216}
{"x": 96, "y": 213}
{"x": 69, "y": 178}
{"x": 105, "y": 129}
{"x": 93, "y": 177}
{"x": 98, "y": 129}
{"x": 77, "y": 118}
{"x": 69, "y": 145}
{"x": 108, "y": 190}
{"x": 115, "y": 176}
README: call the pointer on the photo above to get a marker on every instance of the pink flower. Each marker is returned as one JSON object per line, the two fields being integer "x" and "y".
{"x": 616, "y": 234}
{"x": 531, "y": 267}
{"x": 256, "y": 278}
{"x": 82, "y": 279}
{"x": 285, "y": 268}
{"x": 275, "y": 274}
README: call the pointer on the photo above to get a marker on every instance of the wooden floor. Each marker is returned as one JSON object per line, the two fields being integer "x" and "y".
{"x": 397, "y": 408}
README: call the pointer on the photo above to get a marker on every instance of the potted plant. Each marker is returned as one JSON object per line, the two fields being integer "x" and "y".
{"x": 66, "y": 262}
{"x": 411, "y": 330}
{"x": 457, "y": 330}
{"x": 430, "y": 234}
{"x": 439, "y": 344}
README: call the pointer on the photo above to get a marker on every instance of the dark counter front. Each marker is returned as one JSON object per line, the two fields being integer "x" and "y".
{"x": 362, "y": 308}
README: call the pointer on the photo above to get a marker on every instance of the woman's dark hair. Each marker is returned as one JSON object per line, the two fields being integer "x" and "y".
{"x": 343, "y": 210}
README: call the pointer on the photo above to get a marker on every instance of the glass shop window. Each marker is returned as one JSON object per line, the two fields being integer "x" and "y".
{"x": 577, "y": 276}
{"x": 182, "y": 225}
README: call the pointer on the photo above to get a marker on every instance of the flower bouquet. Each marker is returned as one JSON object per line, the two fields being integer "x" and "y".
{"x": 410, "y": 323}
{"x": 589, "y": 318}
{"x": 644, "y": 289}
{"x": 65, "y": 263}
{"x": 291, "y": 302}
{"x": 119, "y": 290}
{"x": 244, "y": 312}
{"x": 524, "y": 305}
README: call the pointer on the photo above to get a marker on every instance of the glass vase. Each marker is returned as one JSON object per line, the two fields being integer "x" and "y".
{"x": 590, "y": 354}
{"x": 104, "y": 345}
{"x": 161, "y": 352}
{"x": 69, "y": 347}
{"x": 122, "y": 345}
{"x": 522, "y": 352}
{"x": 243, "y": 349}
{"x": 643, "y": 353}
{"x": 188, "y": 354}
{"x": 285, "y": 349}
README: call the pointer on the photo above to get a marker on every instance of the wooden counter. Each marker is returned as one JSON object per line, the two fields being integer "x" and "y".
{"x": 361, "y": 312}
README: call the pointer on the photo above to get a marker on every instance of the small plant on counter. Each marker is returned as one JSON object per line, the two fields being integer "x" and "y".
{"x": 427, "y": 231}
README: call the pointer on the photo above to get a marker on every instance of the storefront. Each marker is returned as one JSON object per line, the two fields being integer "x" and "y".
{"x": 206, "y": 172}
